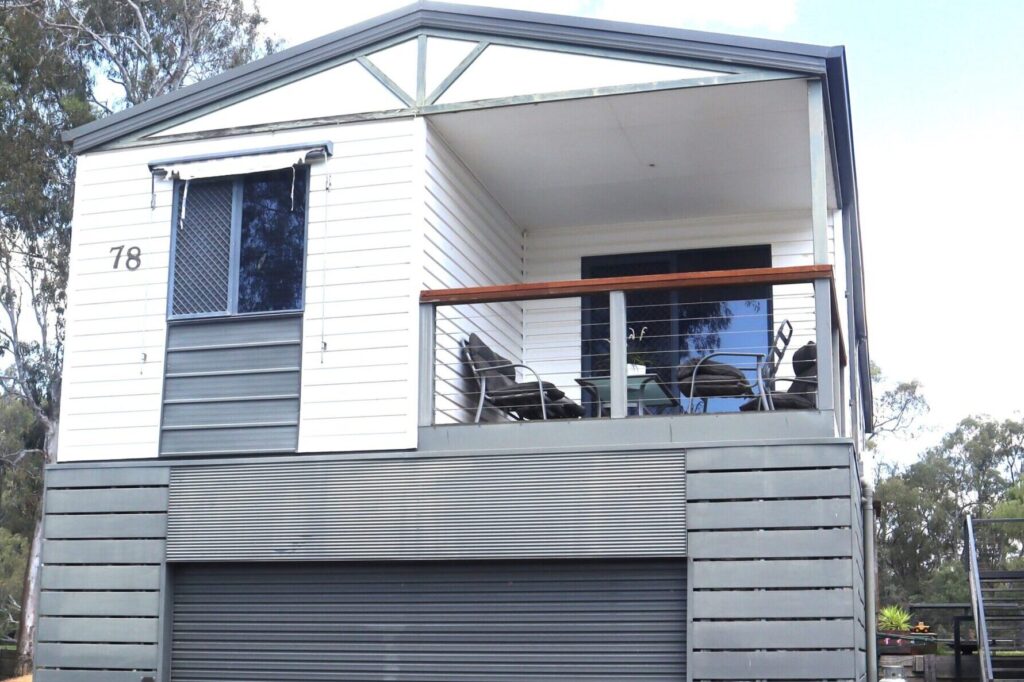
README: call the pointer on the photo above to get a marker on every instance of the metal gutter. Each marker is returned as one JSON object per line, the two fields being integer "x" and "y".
{"x": 842, "y": 131}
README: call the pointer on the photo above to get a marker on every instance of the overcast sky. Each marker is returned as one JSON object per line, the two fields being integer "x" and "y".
{"x": 938, "y": 111}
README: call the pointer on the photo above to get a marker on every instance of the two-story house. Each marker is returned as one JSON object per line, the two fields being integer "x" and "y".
{"x": 467, "y": 344}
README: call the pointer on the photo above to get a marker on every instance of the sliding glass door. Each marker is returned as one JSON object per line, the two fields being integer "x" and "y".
{"x": 668, "y": 328}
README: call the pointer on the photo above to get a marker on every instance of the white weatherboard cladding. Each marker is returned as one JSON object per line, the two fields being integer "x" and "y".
{"x": 399, "y": 63}
{"x": 111, "y": 399}
{"x": 555, "y": 254}
{"x": 443, "y": 55}
{"x": 345, "y": 89}
{"x": 360, "y": 344}
{"x": 469, "y": 241}
{"x": 116, "y": 319}
{"x": 503, "y": 71}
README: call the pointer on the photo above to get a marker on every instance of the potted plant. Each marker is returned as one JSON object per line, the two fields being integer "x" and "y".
{"x": 893, "y": 628}
{"x": 636, "y": 357}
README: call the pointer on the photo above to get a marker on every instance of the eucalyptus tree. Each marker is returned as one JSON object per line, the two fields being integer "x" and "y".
{"x": 146, "y": 48}
{"x": 974, "y": 469}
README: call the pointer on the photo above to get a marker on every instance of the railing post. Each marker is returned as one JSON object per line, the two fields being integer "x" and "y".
{"x": 838, "y": 388}
{"x": 977, "y": 602}
{"x": 823, "y": 339}
{"x": 617, "y": 354}
{"x": 818, "y": 153}
{"x": 428, "y": 329}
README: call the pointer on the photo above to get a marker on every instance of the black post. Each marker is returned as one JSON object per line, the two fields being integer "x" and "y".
{"x": 956, "y": 646}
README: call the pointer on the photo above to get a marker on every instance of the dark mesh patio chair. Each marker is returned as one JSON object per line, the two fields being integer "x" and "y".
{"x": 495, "y": 377}
{"x": 802, "y": 393}
{"x": 707, "y": 378}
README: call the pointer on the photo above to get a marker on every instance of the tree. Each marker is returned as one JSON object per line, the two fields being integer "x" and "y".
{"x": 21, "y": 478}
{"x": 897, "y": 407}
{"x": 149, "y": 48}
{"x": 975, "y": 469}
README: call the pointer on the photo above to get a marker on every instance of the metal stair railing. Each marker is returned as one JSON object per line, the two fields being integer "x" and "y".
{"x": 977, "y": 602}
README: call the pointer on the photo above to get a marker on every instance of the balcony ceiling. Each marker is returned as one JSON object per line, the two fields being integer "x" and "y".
{"x": 711, "y": 151}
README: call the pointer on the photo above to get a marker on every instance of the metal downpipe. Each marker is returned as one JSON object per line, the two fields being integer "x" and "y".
{"x": 868, "y": 502}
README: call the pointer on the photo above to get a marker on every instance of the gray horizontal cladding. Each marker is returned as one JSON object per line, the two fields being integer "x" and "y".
{"x": 520, "y": 621}
{"x": 43, "y": 675}
{"x": 103, "y": 558}
{"x": 531, "y": 505}
{"x": 773, "y": 540}
{"x": 232, "y": 385}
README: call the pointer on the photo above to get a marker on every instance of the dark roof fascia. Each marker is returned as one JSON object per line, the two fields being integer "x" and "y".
{"x": 837, "y": 82}
{"x": 609, "y": 35}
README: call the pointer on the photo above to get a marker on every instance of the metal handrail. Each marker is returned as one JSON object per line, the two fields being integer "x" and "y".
{"x": 977, "y": 603}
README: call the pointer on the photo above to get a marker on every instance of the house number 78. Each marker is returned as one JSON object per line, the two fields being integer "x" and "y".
{"x": 132, "y": 257}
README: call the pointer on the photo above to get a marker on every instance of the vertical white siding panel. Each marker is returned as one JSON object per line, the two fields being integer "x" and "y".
{"x": 360, "y": 339}
{"x": 552, "y": 340}
{"x": 469, "y": 241}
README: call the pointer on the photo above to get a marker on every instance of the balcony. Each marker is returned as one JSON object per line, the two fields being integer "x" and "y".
{"x": 728, "y": 344}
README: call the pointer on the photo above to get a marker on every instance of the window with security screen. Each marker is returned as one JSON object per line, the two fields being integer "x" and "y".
{"x": 239, "y": 244}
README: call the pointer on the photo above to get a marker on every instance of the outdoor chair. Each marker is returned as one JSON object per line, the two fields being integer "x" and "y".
{"x": 802, "y": 393}
{"x": 707, "y": 378}
{"x": 495, "y": 377}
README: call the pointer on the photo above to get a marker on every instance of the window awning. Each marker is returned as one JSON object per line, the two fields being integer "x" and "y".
{"x": 240, "y": 162}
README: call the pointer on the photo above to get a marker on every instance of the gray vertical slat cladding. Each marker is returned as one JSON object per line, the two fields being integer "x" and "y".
{"x": 232, "y": 385}
{"x": 462, "y": 507}
{"x": 104, "y": 545}
{"x": 523, "y": 621}
{"x": 773, "y": 538}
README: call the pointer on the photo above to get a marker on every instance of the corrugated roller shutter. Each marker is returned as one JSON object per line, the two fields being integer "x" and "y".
{"x": 627, "y": 504}
{"x": 500, "y": 620}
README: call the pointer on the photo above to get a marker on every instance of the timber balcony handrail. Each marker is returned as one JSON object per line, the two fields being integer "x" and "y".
{"x": 531, "y": 291}
{"x": 581, "y": 287}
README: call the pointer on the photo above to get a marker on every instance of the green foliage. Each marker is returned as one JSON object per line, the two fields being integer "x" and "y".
{"x": 14, "y": 549}
{"x": 893, "y": 619}
{"x": 21, "y": 467}
{"x": 152, "y": 48}
{"x": 21, "y": 483}
{"x": 897, "y": 406}
{"x": 43, "y": 90}
{"x": 975, "y": 469}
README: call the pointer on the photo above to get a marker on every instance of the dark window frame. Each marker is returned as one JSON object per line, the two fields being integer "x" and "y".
{"x": 234, "y": 265}
{"x": 673, "y": 261}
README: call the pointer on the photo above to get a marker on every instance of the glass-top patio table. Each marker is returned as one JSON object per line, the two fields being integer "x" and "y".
{"x": 643, "y": 390}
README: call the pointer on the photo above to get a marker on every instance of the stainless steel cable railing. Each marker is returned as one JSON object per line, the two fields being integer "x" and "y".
{"x": 617, "y": 347}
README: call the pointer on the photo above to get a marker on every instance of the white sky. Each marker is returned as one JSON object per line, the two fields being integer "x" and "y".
{"x": 939, "y": 131}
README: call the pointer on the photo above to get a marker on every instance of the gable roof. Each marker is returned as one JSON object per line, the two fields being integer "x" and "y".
{"x": 829, "y": 63}
{"x": 627, "y": 38}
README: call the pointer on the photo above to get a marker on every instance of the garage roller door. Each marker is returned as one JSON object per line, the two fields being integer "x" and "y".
{"x": 438, "y": 621}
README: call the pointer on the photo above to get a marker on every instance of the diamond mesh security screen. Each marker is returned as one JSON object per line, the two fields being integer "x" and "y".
{"x": 202, "y": 254}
